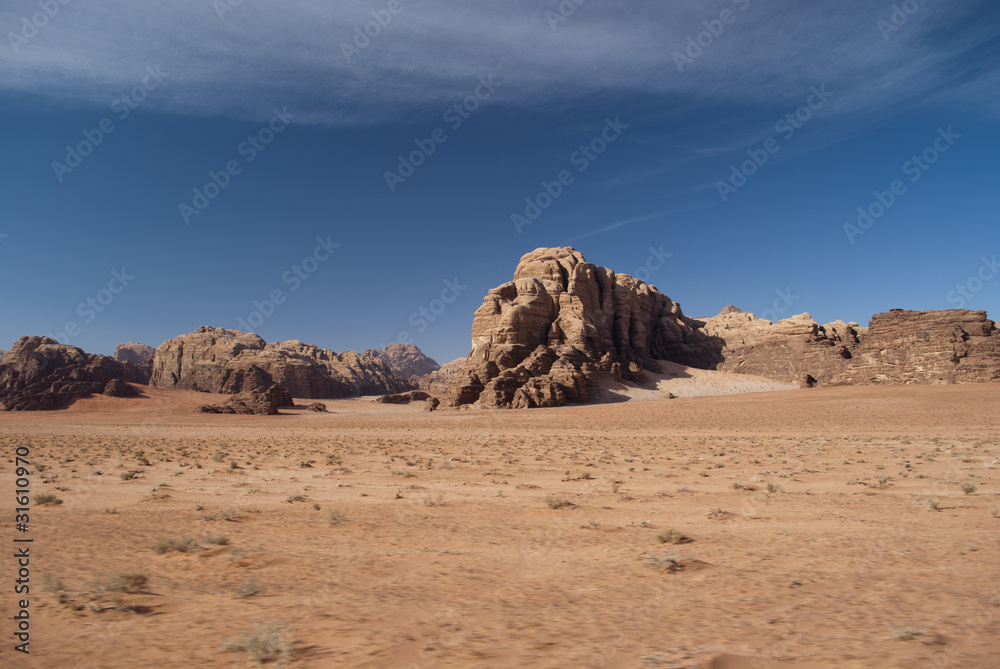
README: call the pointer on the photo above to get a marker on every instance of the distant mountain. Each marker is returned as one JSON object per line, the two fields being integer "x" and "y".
{"x": 405, "y": 360}
{"x": 139, "y": 355}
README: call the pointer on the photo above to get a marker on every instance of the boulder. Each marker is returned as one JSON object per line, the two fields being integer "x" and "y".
{"x": 405, "y": 360}
{"x": 545, "y": 337}
{"x": 318, "y": 407}
{"x": 218, "y": 360}
{"x": 40, "y": 373}
{"x": 280, "y": 396}
{"x": 432, "y": 404}
{"x": 139, "y": 355}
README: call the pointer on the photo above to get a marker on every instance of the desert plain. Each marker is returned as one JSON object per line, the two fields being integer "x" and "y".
{"x": 824, "y": 527}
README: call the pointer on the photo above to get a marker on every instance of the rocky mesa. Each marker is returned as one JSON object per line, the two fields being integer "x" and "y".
{"x": 545, "y": 337}
{"x": 219, "y": 360}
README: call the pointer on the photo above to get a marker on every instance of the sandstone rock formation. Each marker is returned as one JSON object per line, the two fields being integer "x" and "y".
{"x": 440, "y": 381}
{"x": 405, "y": 360}
{"x": 544, "y": 338}
{"x": 952, "y": 346}
{"x": 139, "y": 355}
{"x": 789, "y": 350}
{"x": 432, "y": 404}
{"x": 40, "y": 373}
{"x": 2, "y": 354}
{"x": 118, "y": 388}
{"x": 318, "y": 407}
{"x": 244, "y": 403}
{"x": 228, "y": 361}
{"x": 403, "y": 398}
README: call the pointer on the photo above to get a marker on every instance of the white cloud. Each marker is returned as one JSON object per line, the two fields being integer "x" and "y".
{"x": 266, "y": 54}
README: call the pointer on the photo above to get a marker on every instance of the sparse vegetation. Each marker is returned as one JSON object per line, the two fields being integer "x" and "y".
{"x": 184, "y": 545}
{"x": 968, "y": 487}
{"x": 266, "y": 643}
{"x": 248, "y": 589}
{"x": 44, "y": 499}
{"x": 557, "y": 502}
{"x": 336, "y": 517}
{"x": 671, "y": 536}
{"x": 120, "y": 581}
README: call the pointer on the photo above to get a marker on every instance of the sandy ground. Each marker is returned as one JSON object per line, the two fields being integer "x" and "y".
{"x": 821, "y": 528}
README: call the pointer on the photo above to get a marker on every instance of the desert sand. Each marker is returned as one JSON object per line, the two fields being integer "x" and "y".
{"x": 828, "y": 527}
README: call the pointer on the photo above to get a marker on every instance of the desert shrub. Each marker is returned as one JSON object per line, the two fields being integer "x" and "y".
{"x": 968, "y": 487}
{"x": 336, "y": 517}
{"x": 47, "y": 498}
{"x": 557, "y": 502}
{"x": 671, "y": 536}
{"x": 266, "y": 643}
{"x": 184, "y": 545}
{"x": 120, "y": 581}
{"x": 248, "y": 589}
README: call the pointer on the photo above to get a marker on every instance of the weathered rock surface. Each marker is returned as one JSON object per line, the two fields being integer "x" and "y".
{"x": 440, "y": 381}
{"x": 789, "y": 350}
{"x": 280, "y": 396}
{"x": 405, "y": 360}
{"x": 432, "y": 404}
{"x": 228, "y": 361}
{"x": 40, "y": 373}
{"x": 951, "y": 346}
{"x": 244, "y": 403}
{"x": 403, "y": 398}
{"x": 318, "y": 407}
{"x": 118, "y": 388}
{"x": 544, "y": 338}
{"x": 2, "y": 354}
{"x": 139, "y": 355}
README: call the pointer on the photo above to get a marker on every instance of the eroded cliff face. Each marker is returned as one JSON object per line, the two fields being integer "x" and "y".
{"x": 139, "y": 355}
{"x": 544, "y": 338}
{"x": 218, "y": 360}
{"x": 793, "y": 350}
{"x": 40, "y": 373}
{"x": 405, "y": 360}
{"x": 951, "y": 346}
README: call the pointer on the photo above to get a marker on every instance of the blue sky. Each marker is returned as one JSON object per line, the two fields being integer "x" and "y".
{"x": 239, "y": 152}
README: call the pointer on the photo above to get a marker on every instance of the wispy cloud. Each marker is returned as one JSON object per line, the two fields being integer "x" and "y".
{"x": 290, "y": 53}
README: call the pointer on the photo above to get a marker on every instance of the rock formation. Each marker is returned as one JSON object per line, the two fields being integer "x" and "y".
{"x": 139, "y": 355}
{"x": 952, "y": 346}
{"x": 40, "y": 373}
{"x": 118, "y": 388}
{"x": 228, "y": 361}
{"x": 789, "y": 350}
{"x": 2, "y": 354}
{"x": 543, "y": 338}
{"x": 244, "y": 403}
{"x": 405, "y": 360}
{"x": 403, "y": 398}
{"x": 440, "y": 381}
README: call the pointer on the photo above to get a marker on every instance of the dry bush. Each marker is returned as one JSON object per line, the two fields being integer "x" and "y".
{"x": 120, "y": 581}
{"x": 184, "y": 545}
{"x": 266, "y": 643}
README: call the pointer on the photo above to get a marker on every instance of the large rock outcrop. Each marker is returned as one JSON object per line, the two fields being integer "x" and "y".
{"x": 139, "y": 355}
{"x": 218, "y": 360}
{"x": 545, "y": 337}
{"x": 789, "y": 350}
{"x": 2, "y": 354}
{"x": 40, "y": 373}
{"x": 951, "y": 346}
{"x": 405, "y": 360}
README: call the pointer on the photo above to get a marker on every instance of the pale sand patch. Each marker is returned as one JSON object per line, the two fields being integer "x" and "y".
{"x": 683, "y": 381}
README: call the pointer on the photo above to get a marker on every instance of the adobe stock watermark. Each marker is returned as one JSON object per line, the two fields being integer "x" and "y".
{"x": 965, "y": 291}
{"x": 581, "y": 159}
{"x": 364, "y": 34}
{"x": 915, "y": 168}
{"x": 455, "y": 115}
{"x": 782, "y": 303}
{"x": 223, "y": 7}
{"x": 787, "y": 126}
{"x": 714, "y": 28}
{"x": 422, "y": 318}
{"x": 564, "y": 10}
{"x": 899, "y": 17}
{"x": 121, "y": 107}
{"x": 655, "y": 261}
{"x": 248, "y": 149}
{"x": 294, "y": 277}
{"x": 31, "y": 25}
{"x": 95, "y": 304}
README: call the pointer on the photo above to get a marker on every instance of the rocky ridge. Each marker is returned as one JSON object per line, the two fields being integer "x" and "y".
{"x": 40, "y": 373}
{"x": 219, "y": 360}
{"x": 405, "y": 360}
